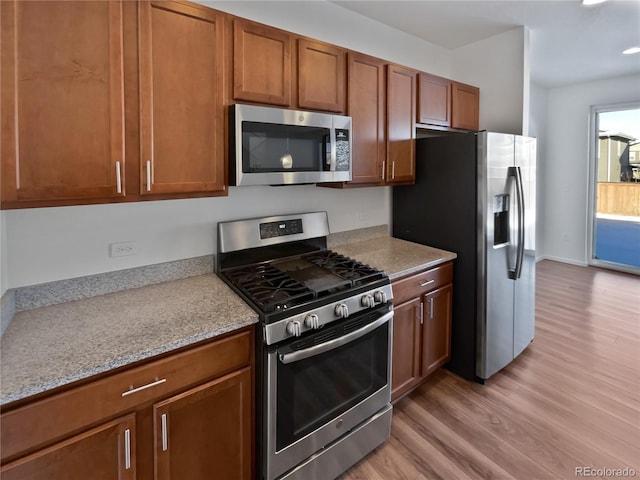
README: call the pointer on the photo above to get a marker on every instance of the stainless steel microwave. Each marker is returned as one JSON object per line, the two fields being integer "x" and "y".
{"x": 275, "y": 146}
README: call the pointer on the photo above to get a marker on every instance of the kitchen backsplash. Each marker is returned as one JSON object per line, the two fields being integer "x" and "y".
{"x": 61, "y": 291}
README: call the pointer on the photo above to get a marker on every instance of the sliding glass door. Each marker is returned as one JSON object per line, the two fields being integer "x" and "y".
{"x": 614, "y": 205}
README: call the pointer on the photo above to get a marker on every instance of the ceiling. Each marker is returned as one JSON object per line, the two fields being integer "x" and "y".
{"x": 570, "y": 43}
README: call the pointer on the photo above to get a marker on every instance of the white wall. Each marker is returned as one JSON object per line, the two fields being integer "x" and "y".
{"x": 564, "y": 180}
{"x": 56, "y": 243}
{"x": 497, "y": 66}
{"x": 537, "y": 127}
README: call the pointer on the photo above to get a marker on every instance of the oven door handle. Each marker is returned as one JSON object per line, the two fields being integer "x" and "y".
{"x": 331, "y": 344}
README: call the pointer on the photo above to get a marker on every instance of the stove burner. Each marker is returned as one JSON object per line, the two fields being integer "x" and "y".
{"x": 270, "y": 288}
{"x": 345, "y": 267}
{"x": 275, "y": 287}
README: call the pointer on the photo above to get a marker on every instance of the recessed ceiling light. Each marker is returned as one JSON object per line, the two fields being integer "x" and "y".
{"x": 632, "y": 50}
{"x": 588, "y": 3}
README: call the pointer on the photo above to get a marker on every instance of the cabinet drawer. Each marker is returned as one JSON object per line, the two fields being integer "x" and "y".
{"x": 415, "y": 285}
{"x": 36, "y": 424}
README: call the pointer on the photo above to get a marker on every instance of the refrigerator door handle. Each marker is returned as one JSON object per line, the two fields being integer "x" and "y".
{"x": 516, "y": 272}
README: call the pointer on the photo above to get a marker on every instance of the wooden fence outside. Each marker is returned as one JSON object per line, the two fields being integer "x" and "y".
{"x": 619, "y": 198}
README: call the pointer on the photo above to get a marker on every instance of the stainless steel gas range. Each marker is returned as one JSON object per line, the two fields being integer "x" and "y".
{"x": 323, "y": 350}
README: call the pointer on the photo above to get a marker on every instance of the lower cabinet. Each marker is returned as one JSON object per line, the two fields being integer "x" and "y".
{"x": 184, "y": 416}
{"x": 101, "y": 453}
{"x": 421, "y": 327}
{"x": 202, "y": 433}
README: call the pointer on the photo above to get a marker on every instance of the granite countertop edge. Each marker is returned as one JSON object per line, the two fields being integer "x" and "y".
{"x": 125, "y": 361}
{"x": 398, "y": 258}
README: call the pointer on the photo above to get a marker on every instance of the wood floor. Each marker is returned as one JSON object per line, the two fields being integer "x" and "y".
{"x": 570, "y": 401}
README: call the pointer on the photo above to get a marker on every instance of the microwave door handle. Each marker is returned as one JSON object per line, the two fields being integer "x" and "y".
{"x": 335, "y": 343}
{"x": 332, "y": 148}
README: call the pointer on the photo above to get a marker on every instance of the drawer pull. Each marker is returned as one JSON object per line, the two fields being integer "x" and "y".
{"x": 428, "y": 282}
{"x": 144, "y": 387}
{"x": 127, "y": 449}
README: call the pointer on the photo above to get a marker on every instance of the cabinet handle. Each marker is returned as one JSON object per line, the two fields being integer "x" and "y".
{"x": 384, "y": 164}
{"x": 421, "y": 313}
{"x": 148, "y": 175}
{"x": 431, "y": 308}
{"x": 393, "y": 170}
{"x": 165, "y": 441}
{"x": 144, "y": 387}
{"x": 118, "y": 178}
{"x": 127, "y": 449}
{"x": 428, "y": 282}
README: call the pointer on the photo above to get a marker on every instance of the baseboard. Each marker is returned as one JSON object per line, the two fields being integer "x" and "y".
{"x": 562, "y": 260}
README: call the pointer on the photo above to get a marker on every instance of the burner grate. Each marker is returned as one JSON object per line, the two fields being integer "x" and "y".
{"x": 269, "y": 287}
{"x": 345, "y": 267}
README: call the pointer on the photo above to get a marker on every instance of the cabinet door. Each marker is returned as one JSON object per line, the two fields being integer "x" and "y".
{"x": 206, "y": 432}
{"x": 321, "y": 76}
{"x": 181, "y": 118}
{"x": 106, "y": 452}
{"x": 367, "y": 94}
{"x": 62, "y": 100}
{"x": 261, "y": 64}
{"x": 434, "y": 100}
{"x": 405, "y": 373}
{"x": 465, "y": 106}
{"x": 436, "y": 329}
{"x": 401, "y": 131}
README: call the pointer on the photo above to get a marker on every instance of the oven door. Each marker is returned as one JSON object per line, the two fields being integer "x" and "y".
{"x": 321, "y": 386}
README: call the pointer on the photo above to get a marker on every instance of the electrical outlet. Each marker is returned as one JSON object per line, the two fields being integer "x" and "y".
{"x": 122, "y": 249}
{"x": 363, "y": 216}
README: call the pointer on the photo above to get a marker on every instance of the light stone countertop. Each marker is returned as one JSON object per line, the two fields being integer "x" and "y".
{"x": 397, "y": 258}
{"x": 56, "y": 345}
{"x": 52, "y": 346}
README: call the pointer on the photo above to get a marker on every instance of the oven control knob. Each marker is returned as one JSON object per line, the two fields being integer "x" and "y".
{"x": 312, "y": 321}
{"x": 380, "y": 296}
{"x": 342, "y": 311}
{"x": 367, "y": 301}
{"x": 293, "y": 328}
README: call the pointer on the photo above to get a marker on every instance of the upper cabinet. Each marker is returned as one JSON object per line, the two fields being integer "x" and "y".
{"x": 109, "y": 101}
{"x": 401, "y": 131}
{"x": 321, "y": 76}
{"x": 181, "y": 95}
{"x": 465, "y": 106}
{"x": 443, "y": 103}
{"x": 262, "y": 63}
{"x": 274, "y": 67}
{"x": 434, "y": 100}
{"x": 62, "y": 101}
{"x": 116, "y": 101}
{"x": 367, "y": 108}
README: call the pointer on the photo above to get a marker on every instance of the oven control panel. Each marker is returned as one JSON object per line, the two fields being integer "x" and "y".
{"x": 280, "y": 229}
{"x": 300, "y": 324}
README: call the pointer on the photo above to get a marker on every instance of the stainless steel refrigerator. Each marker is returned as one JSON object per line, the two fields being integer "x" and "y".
{"x": 475, "y": 194}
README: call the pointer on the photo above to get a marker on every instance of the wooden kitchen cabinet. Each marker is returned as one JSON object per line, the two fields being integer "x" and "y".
{"x": 262, "y": 63}
{"x": 367, "y": 108}
{"x": 104, "y": 452}
{"x": 204, "y": 430}
{"x": 62, "y": 101}
{"x": 321, "y": 76}
{"x": 203, "y": 391}
{"x": 111, "y": 101}
{"x": 434, "y": 100}
{"x": 181, "y": 99}
{"x": 465, "y": 106}
{"x": 401, "y": 130}
{"x": 421, "y": 327}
